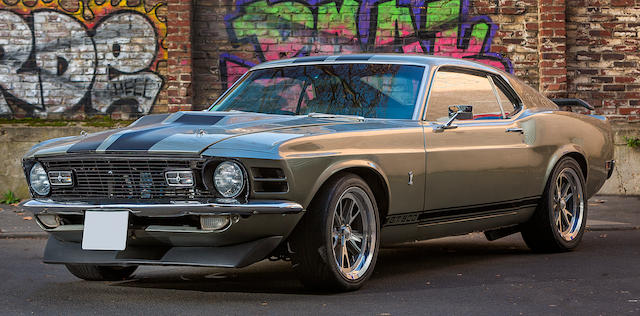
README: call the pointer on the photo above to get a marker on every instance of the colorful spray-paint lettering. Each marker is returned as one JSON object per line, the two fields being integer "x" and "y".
{"x": 276, "y": 29}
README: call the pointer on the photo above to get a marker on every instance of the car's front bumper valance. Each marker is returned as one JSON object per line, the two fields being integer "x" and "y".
{"x": 231, "y": 256}
{"x": 169, "y": 233}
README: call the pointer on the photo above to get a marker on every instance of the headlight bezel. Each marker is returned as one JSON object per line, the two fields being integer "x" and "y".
{"x": 45, "y": 174}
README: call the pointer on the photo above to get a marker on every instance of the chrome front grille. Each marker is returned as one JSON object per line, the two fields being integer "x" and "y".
{"x": 123, "y": 178}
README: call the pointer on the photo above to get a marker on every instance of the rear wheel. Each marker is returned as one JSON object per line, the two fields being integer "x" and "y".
{"x": 92, "y": 272}
{"x": 560, "y": 219}
{"x": 336, "y": 243}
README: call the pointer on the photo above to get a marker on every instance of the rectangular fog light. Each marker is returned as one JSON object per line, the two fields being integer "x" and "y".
{"x": 49, "y": 220}
{"x": 214, "y": 222}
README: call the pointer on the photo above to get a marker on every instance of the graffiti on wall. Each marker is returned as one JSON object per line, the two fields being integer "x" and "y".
{"x": 275, "y": 29}
{"x": 99, "y": 56}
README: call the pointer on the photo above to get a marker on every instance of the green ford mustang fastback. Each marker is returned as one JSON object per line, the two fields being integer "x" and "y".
{"x": 321, "y": 160}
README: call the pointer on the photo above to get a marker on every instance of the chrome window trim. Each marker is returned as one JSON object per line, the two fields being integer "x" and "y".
{"x": 338, "y": 62}
{"x": 416, "y": 107}
{"x": 496, "y": 95}
{"x": 431, "y": 65}
{"x": 420, "y": 100}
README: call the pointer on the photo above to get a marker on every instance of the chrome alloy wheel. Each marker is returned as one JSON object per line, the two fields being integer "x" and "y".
{"x": 353, "y": 233}
{"x": 568, "y": 204}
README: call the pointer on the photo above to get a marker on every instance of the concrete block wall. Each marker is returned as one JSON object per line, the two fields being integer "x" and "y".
{"x": 625, "y": 179}
{"x": 16, "y": 140}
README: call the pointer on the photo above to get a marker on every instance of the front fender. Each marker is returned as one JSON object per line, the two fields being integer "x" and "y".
{"x": 339, "y": 166}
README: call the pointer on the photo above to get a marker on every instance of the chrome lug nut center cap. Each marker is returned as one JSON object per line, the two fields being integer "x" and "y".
{"x": 346, "y": 232}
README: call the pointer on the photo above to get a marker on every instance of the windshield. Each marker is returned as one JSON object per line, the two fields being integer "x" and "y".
{"x": 368, "y": 90}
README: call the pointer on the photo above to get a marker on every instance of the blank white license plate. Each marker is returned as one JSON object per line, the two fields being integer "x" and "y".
{"x": 105, "y": 230}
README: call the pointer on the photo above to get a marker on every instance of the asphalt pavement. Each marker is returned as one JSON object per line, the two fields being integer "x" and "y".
{"x": 465, "y": 275}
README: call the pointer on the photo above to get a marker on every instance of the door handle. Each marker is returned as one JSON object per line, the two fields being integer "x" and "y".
{"x": 515, "y": 130}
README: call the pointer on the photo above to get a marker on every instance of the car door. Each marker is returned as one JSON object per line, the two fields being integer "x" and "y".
{"x": 477, "y": 164}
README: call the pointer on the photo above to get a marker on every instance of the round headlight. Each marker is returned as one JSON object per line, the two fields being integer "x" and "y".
{"x": 229, "y": 179}
{"x": 39, "y": 180}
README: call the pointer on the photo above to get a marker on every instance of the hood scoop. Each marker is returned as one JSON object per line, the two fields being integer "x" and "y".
{"x": 195, "y": 119}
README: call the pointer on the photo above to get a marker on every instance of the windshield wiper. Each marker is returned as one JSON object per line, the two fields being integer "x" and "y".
{"x": 337, "y": 116}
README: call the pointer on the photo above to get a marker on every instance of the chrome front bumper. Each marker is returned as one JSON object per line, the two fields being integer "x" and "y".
{"x": 179, "y": 208}
{"x": 258, "y": 228}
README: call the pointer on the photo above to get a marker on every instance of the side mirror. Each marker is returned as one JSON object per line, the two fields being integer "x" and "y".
{"x": 464, "y": 112}
{"x": 461, "y": 112}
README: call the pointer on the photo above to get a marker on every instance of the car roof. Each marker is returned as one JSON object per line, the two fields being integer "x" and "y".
{"x": 409, "y": 59}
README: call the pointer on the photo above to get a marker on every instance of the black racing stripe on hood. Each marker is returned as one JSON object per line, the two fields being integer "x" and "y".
{"x": 87, "y": 144}
{"x": 195, "y": 119}
{"x": 143, "y": 139}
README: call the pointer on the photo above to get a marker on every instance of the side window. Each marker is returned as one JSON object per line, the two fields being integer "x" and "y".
{"x": 456, "y": 88}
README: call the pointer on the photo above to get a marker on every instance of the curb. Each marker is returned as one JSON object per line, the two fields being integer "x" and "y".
{"x": 38, "y": 235}
{"x": 611, "y": 228}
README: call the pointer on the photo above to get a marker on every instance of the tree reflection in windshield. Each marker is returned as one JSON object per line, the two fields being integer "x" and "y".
{"x": 368, "y": 90}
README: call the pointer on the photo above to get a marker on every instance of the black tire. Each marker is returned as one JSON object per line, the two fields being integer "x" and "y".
{"x": 92, "y": 272}
{"x": 541, "y": 233}
{"x": 313, "y": 242}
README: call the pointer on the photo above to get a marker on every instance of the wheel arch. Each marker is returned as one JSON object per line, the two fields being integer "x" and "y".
{"x": 369, "y": 171}
{"x": 573, "y": 151}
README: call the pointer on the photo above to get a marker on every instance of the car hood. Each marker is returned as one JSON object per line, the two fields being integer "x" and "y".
{"x": 182, "y": 133}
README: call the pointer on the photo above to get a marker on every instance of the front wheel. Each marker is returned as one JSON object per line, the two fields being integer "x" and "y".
{"x": 335, "y": 245}
{"x": 560, "y": 219}
{"x": 92, "y": 272}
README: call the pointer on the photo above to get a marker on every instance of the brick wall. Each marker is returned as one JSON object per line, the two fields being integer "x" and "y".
{"x": 517, "y": 34}
{"x": 552, "y": 41}
{"x": 178, "y": 43}
{"x": 604, "y": 54}
{"x": 131, "y": 57}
